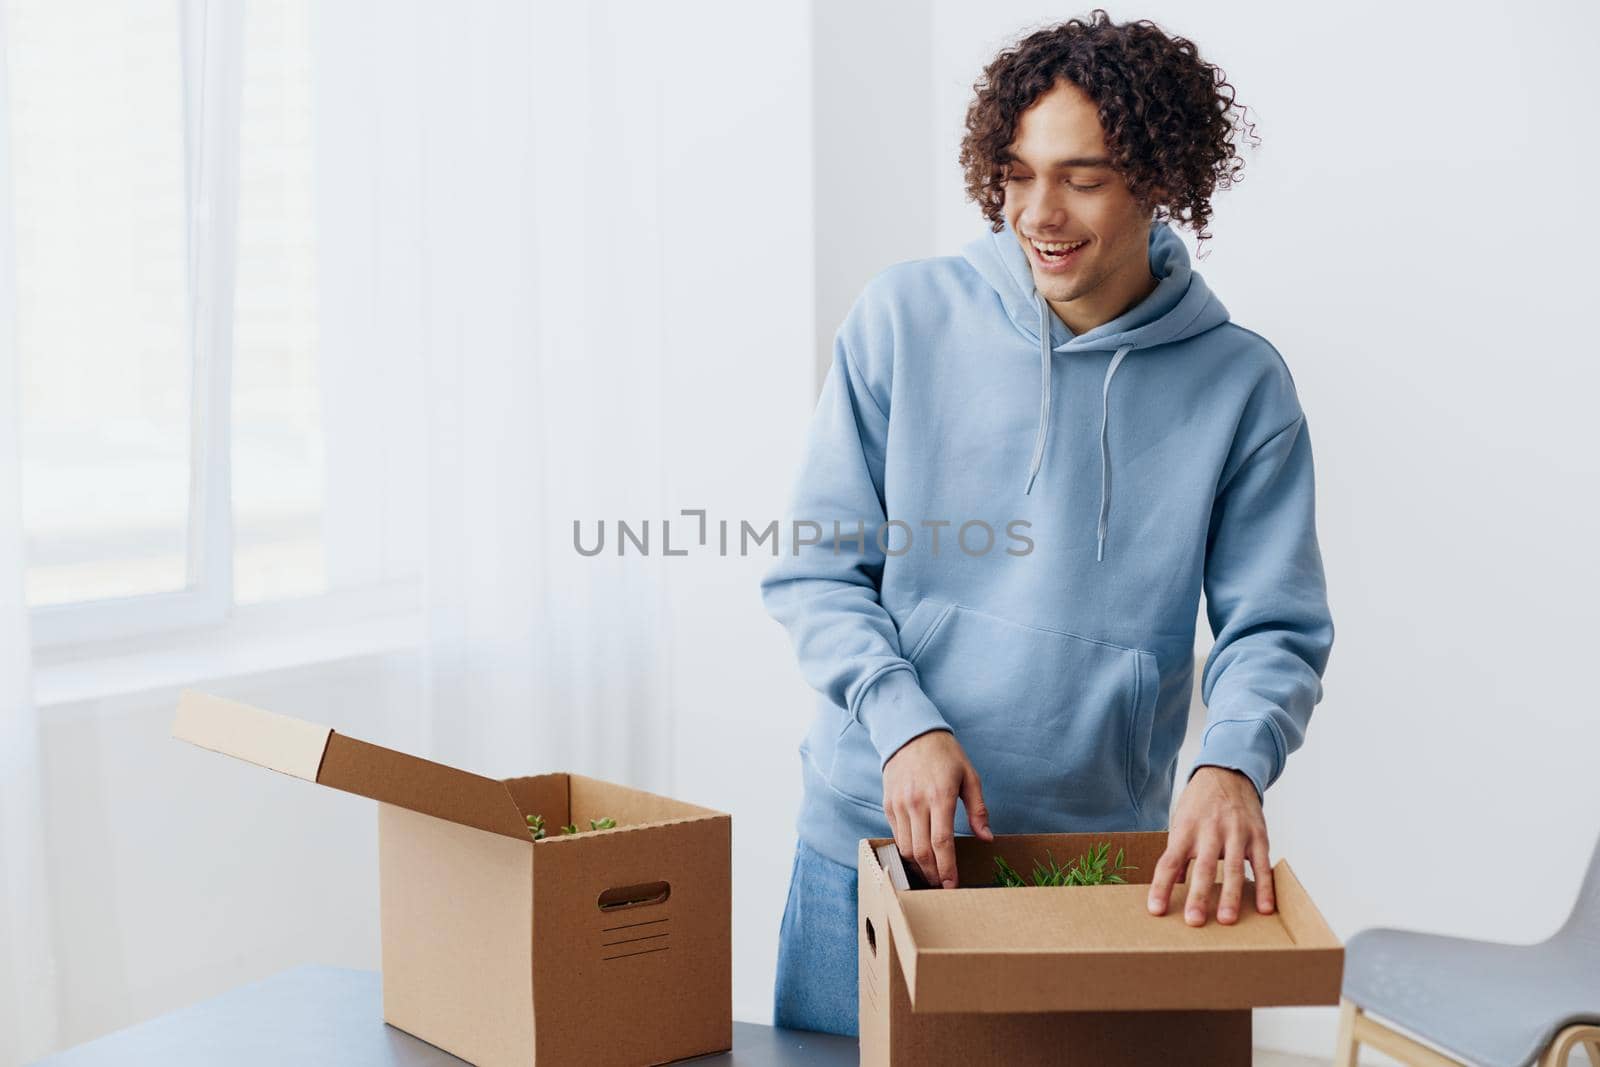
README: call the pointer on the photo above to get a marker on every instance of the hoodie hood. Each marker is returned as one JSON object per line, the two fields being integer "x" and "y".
{"x": 1180, "y": 306}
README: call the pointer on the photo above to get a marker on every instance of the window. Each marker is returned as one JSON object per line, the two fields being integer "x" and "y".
{"x": 97, "y": 174}
{"x": 163, "y": 191}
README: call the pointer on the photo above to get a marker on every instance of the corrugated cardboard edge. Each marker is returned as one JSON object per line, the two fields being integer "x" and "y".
{"x": 893, "y": 865}
{"x": 320, "y": 754}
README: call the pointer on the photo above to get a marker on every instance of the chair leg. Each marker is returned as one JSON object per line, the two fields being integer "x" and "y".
{"x": 1561, "y": 1046}
{"x": 1346, "y": 1046}
{"x": 1384, "y": 1038}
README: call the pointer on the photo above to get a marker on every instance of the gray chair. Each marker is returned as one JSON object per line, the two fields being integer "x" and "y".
{"x": 1487, "y": 1003}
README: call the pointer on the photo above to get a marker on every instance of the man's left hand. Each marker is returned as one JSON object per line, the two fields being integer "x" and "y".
{"x": 1218, "y": 818}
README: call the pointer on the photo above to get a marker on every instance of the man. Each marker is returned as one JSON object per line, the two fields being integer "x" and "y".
{"x": 1071, "y": 386}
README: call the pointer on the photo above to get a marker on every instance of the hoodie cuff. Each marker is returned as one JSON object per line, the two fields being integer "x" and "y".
{"x": 1249, "y": 746}
{"x": 894, "y": 709}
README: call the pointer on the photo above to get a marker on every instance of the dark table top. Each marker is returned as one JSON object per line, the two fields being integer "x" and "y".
{"x": 312, "y": 1016}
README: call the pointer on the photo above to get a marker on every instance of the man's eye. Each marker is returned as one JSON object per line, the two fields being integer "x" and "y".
{"x": 1086, "y": 188}
{"x": 1019, "y": 178}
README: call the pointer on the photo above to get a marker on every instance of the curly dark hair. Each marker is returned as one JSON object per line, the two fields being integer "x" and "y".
{"x": 1167, "y": 115}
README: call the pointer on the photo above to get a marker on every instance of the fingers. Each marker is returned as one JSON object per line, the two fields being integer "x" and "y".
{"x": 1203, "y": 882}
{"x": 1218, "y": 820}
{"x": 1168, "y": 868}
{"x": 922, "y": 784}
{"x": 922, "y": 844}
{"x": 900, "y": 823}
{"x": 977, "y": 810}
{"x": 1261, "y": 865}
{"x": 943, "y": 838}
{"x": 1232, "y": 880}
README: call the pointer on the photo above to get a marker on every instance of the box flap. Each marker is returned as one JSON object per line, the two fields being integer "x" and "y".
{"x": 1097, "y": 948}
{"x": 320, "y": 754}
{"x": 277, "y": 742}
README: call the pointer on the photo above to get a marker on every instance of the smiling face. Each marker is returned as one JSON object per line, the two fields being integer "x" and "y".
{"x": 1086, "y": 237}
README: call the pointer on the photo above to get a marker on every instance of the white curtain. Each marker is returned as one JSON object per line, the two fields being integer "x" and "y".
{"x": 27, "y": 968}
{"x": 537, "y": 304}
{"x": 499, "y": 352}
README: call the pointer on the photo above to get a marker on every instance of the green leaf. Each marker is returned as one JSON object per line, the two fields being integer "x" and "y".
{"x": 1006, "y": 875}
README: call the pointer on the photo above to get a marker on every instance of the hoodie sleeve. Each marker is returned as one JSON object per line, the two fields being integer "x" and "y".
{"x": 1266, "y": 601}
{"x": 824, "y": 587}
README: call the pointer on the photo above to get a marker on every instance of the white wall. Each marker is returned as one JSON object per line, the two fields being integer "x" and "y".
{"x": 738, "y": 336}
{"x": 1407, "y": 236}
{"x": 875, "y": 149}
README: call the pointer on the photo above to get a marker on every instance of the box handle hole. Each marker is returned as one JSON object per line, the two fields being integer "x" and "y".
{"x": 635, "y": 896}
{"x": 872, "y": 940}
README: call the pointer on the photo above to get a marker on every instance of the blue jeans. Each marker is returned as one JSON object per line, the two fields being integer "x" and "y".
{"x": 816, "y": 985}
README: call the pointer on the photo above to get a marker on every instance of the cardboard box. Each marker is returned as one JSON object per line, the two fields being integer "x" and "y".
{"x": 1079, "y": 975}
{"x": 604, "y": 947}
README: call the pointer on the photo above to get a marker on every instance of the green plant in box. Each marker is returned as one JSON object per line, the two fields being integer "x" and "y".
{"x": 536, "y": 826}
{"x": 1095, "y": 867}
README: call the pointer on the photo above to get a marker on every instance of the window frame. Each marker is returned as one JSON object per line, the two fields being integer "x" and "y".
{"x": 212, "y": 50}
{"x": 95, "y": 648}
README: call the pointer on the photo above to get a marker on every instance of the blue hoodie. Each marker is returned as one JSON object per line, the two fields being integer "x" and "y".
{"x": 1118, "y": 473}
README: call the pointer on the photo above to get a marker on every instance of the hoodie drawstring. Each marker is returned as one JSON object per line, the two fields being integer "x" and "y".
{"x": 1044, "y": 421}
{"x": 1105, "y": 456}
{"x": 1044, "y": 394}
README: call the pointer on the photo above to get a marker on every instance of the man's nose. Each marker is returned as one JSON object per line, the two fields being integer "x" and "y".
{"x": 1044, "y": 211}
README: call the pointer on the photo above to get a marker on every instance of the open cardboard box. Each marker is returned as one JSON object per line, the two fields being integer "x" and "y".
{"x": 1079, "y": 975}
{"x": 604, "y": 947}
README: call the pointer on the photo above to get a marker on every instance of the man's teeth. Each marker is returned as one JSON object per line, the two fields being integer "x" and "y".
{"x": 1057, "y": 247}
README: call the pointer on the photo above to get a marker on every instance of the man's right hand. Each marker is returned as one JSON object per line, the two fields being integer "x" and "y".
{"x": 921, "y": 783}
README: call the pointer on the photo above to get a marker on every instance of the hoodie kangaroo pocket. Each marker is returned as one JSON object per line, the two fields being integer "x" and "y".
{"x": 1058, "y": 725}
